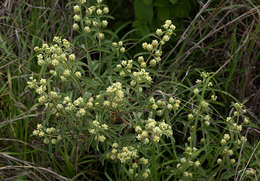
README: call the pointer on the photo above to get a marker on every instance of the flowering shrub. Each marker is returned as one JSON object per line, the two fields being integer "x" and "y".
{"x": 153, "y": 127}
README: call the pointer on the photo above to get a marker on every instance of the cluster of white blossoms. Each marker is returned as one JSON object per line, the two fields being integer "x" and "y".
{"x": 40, "y": 88}
{"x": 67, "y": 104}
{"x": 138, "y": 166}
{"x": 138, "y": 77}
{"x": 118, "y": 46}
{"x": 152, "y": 131}
{"x": 48, "y": 98}
{"x": 98, "y": 129}
{"x": 160, "y": 105}
{"x": 155, "y": 47}
{"x": 142, "y": 77}
{"x": 229, "y": 146}
{"x": 188, "y": 163}
{"x": 234, "y": 120}
{"x": 225, "y": 139}
{"x": 49, "y": 135}
{"x": 227, "y": 151}
{"x": 125, "y": 67}
{"x": 115, "y": 94}
{"x": 59, "y": 58}
{"x": 80, "y": 106}
{"x": 124, "y": 154}
{"x": 93, "y": 20}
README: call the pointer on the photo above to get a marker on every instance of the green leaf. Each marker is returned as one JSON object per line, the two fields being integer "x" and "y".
{"x": 141, "y": 27}
{"x": 162, "y": 3}
{"x": 173, "y": 1}
{"x": 143, "y": 12}
{"x": 181, "y": 9}
{"x": 144, "y": 16}
{"x": 148, "y": 2}
{"x": 163, "y": 13}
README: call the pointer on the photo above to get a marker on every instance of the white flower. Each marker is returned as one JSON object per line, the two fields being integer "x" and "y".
{"x": 78, "y": 74}
{"x": 159, "y": 32}
{"x": 99, "y": 12}
{"x": 166, "y": 38}
{"x": 100, "y": 36}
{"x": 106, "y": 10}
{"x": 76, "y": 9}
{"x": 104, "y": 23}
{"x": 76, "y": 18}
{"x": 101, "y": 138}
{"x": 75, "y": 27}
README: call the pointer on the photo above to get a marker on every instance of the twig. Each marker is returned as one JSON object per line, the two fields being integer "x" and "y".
{"x": 183, "y": 57}
{"x": 18, "y": 118}
{"x": 243, "y": 44}
{"x": 183, "y": 36}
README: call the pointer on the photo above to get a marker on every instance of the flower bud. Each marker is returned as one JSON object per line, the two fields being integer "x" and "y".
{"x": 219, "y": 161}
{"x": 122, "y": 50}
{"x": 106, "y": 10}
{"x": 100, "y": 36}
{"x": 159, "y": 32}
{"x": 152, "y": 62}
{"x": 143, "y": 65}
{"x": 76, "y": 18}
{"x": 87, "y": 29}
{"x": 75, "y": 27}
{"x": 99, "y": 12}
{"x": 104, "y": 23}
{"x": 76, "y": 9}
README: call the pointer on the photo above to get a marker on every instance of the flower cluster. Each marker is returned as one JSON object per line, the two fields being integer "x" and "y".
{"x": 93, "y": 18}
{"x": 160, "y": 105}
{"x": 155, "y": 47}
{"x": 125, "y": 154}
{"x": 188, "y": 163}
{"x": 142, "y": 76}
{"x": 118, "y": 46}
{"x": 115, "y": 95}
{"x": 59, "y": 57}
{"x": 125, "y": 67}
{"x": 40, "y": 88}
{"x": 153, "y": 131}
{"x": 234, "y": 120}
{"x": 49, "y": 99}
{"x": 98, "y": 130}
{"x": 138, "y": 166}
{"x": 49, "y": 135}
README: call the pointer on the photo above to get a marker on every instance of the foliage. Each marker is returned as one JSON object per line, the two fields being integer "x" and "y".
{"x": 112, "y": 105}
{"x": 150, "y": 13}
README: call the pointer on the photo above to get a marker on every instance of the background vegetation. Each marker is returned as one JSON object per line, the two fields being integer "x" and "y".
{"x": 216, "y": 36}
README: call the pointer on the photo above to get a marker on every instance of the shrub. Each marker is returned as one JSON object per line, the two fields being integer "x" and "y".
{"x": 141, "y": 124}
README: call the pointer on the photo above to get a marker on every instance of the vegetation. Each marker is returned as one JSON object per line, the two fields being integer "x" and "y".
{"x": 83, "y": 97}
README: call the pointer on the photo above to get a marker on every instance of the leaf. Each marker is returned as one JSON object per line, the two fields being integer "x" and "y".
{"x": 173, "y": 1}
{"x": 163, "y": 13}
{"x": 181, "y": 9}
{"x": 144, "y": 16}
{"x": 148, "y": 2}
{"x": 162, "y": 3}
{"x": 143, "y": 12}
{"x": 141, "y": 27}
